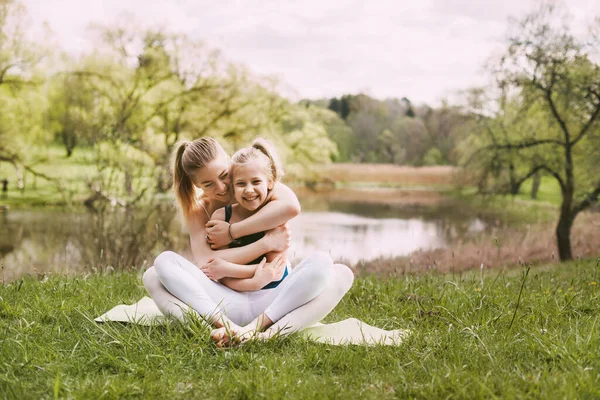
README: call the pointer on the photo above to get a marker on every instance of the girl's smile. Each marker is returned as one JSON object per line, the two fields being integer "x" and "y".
{"x": 251, "y": 186}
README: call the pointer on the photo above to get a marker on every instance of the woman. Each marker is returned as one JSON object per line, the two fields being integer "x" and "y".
{"x": 174, "y": 282}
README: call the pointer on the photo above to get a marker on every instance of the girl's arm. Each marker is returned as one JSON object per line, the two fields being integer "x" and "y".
{"x": 243, "y": 285}
{"x": 282, "y": 207}
{"x": 265, "y": 273}
{"x": 275, "y": 240}
{"x": 218, "y": 268}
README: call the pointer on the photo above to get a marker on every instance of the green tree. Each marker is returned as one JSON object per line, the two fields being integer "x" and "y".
{"x": 71, "y": 112}
{"x": 556, "y": 73}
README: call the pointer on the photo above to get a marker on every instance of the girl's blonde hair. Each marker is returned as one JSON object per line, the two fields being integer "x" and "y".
{"x": 189, "y": 158}
{"x": 263, "y": 152}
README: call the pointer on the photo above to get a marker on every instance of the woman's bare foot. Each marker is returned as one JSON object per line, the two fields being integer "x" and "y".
{"x": 234, "y": 336}
{"x": 225, "y": 336}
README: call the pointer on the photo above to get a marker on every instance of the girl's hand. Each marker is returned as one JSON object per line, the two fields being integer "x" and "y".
{"x": 278, "y": 239}
{"x": 272, "y": 271}
{"x": 217, "y": 233}
{"x": 215, "y": 269}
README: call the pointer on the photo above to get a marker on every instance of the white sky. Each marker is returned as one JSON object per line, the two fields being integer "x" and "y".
{"x": 422, "y": 49}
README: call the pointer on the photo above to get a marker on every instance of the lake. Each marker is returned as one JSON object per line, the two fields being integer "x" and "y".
{"x": 351, "y": 225}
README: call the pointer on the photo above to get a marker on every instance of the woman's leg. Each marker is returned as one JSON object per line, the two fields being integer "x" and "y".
{"x": 316, "y": 309}
{"x": 168, "y": 304}
{"x": 215, "y": 302}
{"x": 306, "y": 282}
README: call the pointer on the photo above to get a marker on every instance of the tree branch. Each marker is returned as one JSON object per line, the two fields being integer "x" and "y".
{"x": 587, "y": 125}
{"x": 533, "y": 171}
{"x": 513, "y": 146}
{"x": 5, "y": 70}
{"x": 559, "y": 119}
{"x": 590, "y": 199}
{"x": 556, "y": 175}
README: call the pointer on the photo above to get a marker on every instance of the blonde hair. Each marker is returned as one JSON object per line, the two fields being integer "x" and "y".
{"x": 263, "y": 152}
{"x": 189, "y": 158}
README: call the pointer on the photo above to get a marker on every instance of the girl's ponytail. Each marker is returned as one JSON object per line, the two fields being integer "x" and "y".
{"x": 265, "y": 147}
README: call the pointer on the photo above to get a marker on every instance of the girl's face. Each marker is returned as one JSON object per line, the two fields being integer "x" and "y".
{"x": 214, "y": 180}
{"x": 251, "y": 185}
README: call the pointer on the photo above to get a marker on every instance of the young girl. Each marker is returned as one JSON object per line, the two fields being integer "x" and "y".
{"x": 254, "y": 172}
{"x": 312, "y": 289}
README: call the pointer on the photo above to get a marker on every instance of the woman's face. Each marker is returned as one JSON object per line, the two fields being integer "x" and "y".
{"x": 213, "y": 179}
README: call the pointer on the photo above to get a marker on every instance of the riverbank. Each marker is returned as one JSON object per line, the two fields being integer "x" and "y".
{"x": 417, "y": 185}
{"x": 501, "y": 247}
{"x": 475, "y": 335}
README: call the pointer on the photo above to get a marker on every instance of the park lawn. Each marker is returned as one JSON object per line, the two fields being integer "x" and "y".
{"x": 72, "y": 173}
{"x": 548, "y": 192}
{"x": 485, "y": 334}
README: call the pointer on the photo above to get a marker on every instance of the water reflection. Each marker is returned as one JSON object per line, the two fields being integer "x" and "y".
{"x": 353, "y": 238}
{"x": 45, "y": 241}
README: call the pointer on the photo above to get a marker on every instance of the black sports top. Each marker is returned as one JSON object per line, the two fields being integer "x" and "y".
{"x": 245, "y": 240}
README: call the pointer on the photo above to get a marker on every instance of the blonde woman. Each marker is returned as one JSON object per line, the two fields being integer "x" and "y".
{"x": 178, "y": 285}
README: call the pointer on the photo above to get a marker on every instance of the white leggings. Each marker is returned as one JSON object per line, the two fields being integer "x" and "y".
{"x": 309, "y": 293}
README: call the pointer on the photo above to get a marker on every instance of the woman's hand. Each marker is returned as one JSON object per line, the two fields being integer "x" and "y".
{"x": 217, "y": 233}
{"x": 270, "y": 272}
{"x": 215, "y": 269}
{"x": 278, "y": 239}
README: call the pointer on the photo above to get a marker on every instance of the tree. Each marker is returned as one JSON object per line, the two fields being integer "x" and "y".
{"x": 507, "y": 119}
{"x": 21, "y": 104}
{"x": 17, "y": 54}
{"x": 71, "y": 112}
{"x": 550, "y": 69}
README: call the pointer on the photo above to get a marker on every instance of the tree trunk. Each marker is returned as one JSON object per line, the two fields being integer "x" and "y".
{"x": 535, "y": 186}
{"x": 20, "y": 178}
{"x": 563, "y": 234}
{"x": 514, "y": 187}
{"x": 70, "y": 141}
{"x": 128, "y": 183}
{"x": 514, "y": 183}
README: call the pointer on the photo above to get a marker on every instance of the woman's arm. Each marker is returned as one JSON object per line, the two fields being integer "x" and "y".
{"x": 282, "y": 207}
{"x": 274, "y": 240}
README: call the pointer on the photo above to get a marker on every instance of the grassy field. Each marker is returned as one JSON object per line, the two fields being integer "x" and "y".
{"x": 549, "y": 191}
{"x": 501, "y": 334}
{"x": 75, "y": 171}
{"x": 389, "y": 175}
{"x": 72, "y": 173}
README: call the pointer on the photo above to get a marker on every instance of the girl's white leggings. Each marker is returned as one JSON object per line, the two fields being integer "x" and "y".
{"x": 312, "y": 289}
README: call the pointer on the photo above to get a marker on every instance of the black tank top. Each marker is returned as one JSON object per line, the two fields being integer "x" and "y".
{"x": 244, "y": 240}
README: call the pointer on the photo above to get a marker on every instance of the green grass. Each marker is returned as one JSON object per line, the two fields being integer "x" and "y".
{"x": 51, "y": 161}
{"x": 510, "y": 210}
{"x": 548, "y": 192}
{"x": 73, "y": 174}
{"x": 474, "y": 336}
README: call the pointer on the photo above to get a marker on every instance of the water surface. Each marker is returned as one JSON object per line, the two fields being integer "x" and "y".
{"x": 350, "y": 226}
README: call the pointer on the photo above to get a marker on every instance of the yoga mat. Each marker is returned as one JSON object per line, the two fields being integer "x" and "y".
{"x": 348, "y": 331}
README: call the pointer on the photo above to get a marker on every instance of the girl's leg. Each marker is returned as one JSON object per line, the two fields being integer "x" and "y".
{"x": 306, "y": 282}
{"x": 316, "y": 309}
{"x": 168, "y": 304}
{"x": 215, "y": 302}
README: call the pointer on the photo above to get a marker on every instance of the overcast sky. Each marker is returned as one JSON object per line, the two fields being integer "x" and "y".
{"x": 422, "y": 49}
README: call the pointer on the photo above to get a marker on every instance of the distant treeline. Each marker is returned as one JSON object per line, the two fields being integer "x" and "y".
{"x": 394, "y": 130}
